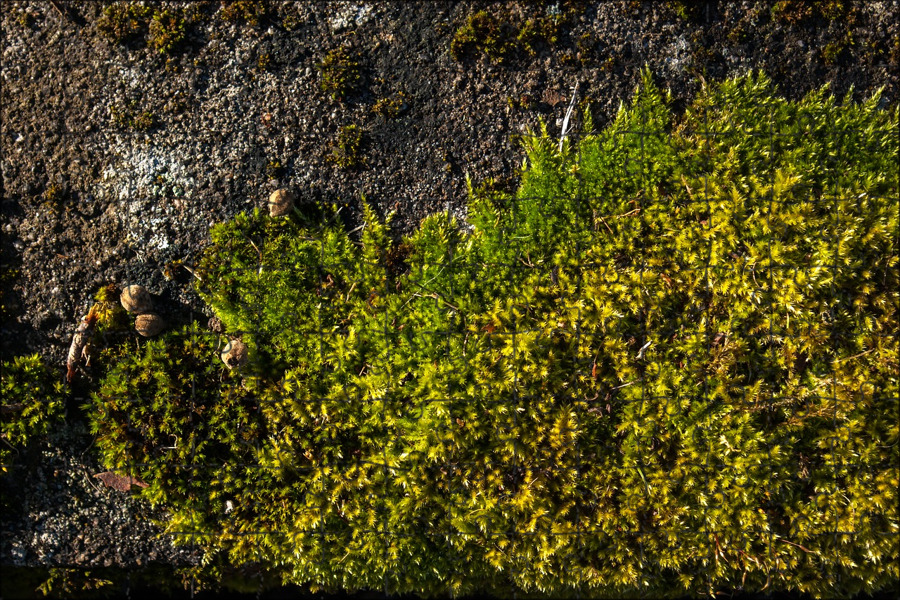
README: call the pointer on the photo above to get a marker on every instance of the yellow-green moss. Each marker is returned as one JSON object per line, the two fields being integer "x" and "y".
{"x": 122, "y": 22}
{"x": 128, "y": 116}
{"x": 347, "y": 152}
{"x": 166, "y": 31}
{"x": 32, "y": 404}
{"x": 250, "y": 12}
{"x": 339, "y": 73}
{"x": 391, "y": 106}
{"x": 640, "y": 372}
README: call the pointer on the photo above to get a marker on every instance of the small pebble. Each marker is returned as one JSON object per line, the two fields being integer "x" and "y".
{"x": 136, "y": 299}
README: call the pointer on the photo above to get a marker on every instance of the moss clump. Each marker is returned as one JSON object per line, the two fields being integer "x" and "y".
{"x": 483, "y": 33}
{"x": 166, "y": 31}
{"x": 666, "y": 365}
{"x": 111, "y": 317}
{"x": 249, "y": 12}
{"x": 166, "y": 411}
{"x": 129, "y": 22}
{"x": 124, "y": 22}
{"x": 832, "y": 52}
{"x": 523, "y": 102}
{"x": 26, "y": 19}
{"x": 539, "y": 31}
{"x": 291, "y": 22}
{"x": 501, "y": 36}
{"x": 686, "y": 10}
{"x": 264, "y": 62}
{"x": 347, "y": 152}
{"x": 274, "y": 169}
{"x": 796, "y": 12}
{"x": 54, "y": 194}
{"x": 391, "y": 106}
{"x": 129, "y": 117}
{"x": 340, "y": 73}
{"x": 32, "y": 403}
{"x": 73, "y": 583}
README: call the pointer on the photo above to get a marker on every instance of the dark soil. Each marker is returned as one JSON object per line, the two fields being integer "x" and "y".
{"x": 237, "y": 112}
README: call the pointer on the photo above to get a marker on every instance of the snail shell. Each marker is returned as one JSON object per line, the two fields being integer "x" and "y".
{"x": 136, "y": 299}
{"x": 281, "y": 202}
{"x": 149, "y": 325}
{"x": 234, "y": 355}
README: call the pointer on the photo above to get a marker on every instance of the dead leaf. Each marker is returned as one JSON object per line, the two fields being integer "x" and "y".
{"x": 122, "y": 483}
{"x": 552, "y": 97}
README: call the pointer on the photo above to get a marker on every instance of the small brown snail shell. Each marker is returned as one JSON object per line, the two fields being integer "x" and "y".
{"x": 136, "y": 299}
{"x": 234, "y": 355}
{"x": 149, "y": 325}
{"x": 281, "y": 202}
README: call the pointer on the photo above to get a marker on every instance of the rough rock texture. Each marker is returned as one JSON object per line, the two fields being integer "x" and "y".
{"x": 56, "y": 513}
{"x": 116, "y": 158}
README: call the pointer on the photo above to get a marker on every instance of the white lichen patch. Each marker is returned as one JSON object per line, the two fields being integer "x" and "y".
{"x": 677, "y": 56}
{"x": 146, "y": 185}
{"x": 350, "y": 14}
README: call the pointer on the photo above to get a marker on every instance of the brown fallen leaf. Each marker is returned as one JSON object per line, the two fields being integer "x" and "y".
{"x": 553, "y": 97}
{"x": 122, "y": 483}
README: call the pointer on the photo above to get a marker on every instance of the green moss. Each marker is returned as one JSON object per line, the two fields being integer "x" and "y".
{"x": 111, "y": 317}
{"x": 739, "y": 34}
{"x": 833, "y": 9}
{"x": 249, "y": 12}
{"x": 795, "y": 12}
{"x": 663, "y": 364}
{"x": 274, "y": 169}
{"x": 32, "y": 404}
{"x": 200, "y": 12}
{"x": 129, "y": 117}
{"x": 69, "y": 583}
{"x": 833, "y": 50}
{"x": 586, "y": 47}
{"x": 347, "y": 152}
{"x": 166, "y": 31}
{"x": 523, "y": 102}
{"x": 792, "y": 11}
{"x": 163, "y": 30}
{"x": 89, "y": 584}
{"x": 339, "y": 73}
{"x": 391, "y": 106}
{"x": 539, "y": 32}
{"x": 501, "y": 36}
{"x": 483, "y": 33}
{"x": 124, "y": 22}
{"x": 291, "y": 22}
{"x": 54, "y": 194}
{"x": 26, "y": 19}
{"x": 687, "y": 10}
{"x": 182, "y": 421}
